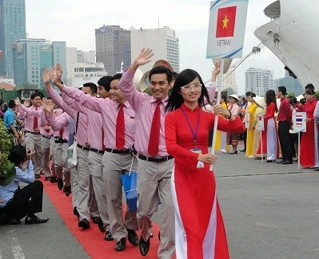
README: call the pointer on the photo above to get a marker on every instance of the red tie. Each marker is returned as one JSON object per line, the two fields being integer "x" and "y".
{"x": 61, "y": 132}
{"x": 103, "y": 146}
{"x": 155, "y": 131}
{"x": 120, "y": 126}
{"x": 35, "y": 121}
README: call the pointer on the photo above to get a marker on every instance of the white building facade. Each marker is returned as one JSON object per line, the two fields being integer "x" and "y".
{"x": 162, "y": 41}
{"x": 258, "y": 81}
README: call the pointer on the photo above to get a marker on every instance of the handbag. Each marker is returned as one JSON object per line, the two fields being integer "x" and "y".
{"x": 129, "y": 182}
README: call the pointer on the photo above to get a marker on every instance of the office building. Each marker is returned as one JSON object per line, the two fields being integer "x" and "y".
{"x": 32, "y": 56}
{"x": 162, "y": 41}
{"x": 12, "y": 28}
{"x": 258, "y": 81}
{"x": 113, "y": 46}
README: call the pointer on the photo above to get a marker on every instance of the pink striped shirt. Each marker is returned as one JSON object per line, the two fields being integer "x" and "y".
{"x": 109, "y": 110}
{"x": 82, "y": 133}
{"x": 28, "y": 114}
{"x": 94, "y": 122}
{"x": 144, "y": 106}
{"x": 60, "y": 122}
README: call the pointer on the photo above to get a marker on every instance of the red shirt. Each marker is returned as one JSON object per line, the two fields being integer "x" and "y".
{"x": 284, "y": 113}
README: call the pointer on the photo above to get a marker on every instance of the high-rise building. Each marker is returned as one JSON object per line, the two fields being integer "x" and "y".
{"x": 12, "y": 28}
{"x": 162, "y": 41}
{"x": 258, "y": 81}
{"x": 32, "y": 56}
{"x": 113, "y": 46}
{"x": 292, "y": 85}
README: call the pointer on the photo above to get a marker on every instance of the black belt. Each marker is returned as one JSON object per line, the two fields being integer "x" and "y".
{"x": 116, "y": 151}
{"x": 35, "y": 133}
{"x": 48, "y": 137}
{"x": 84, "y": 148}
{"x": 155, "y": 159}
{"x": 96, "y": 150}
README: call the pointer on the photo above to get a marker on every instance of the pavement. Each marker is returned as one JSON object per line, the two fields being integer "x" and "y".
{"x": 270, "y": 211}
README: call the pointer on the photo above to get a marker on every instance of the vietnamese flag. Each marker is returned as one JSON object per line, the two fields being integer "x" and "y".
{"x": 226, "y": 18}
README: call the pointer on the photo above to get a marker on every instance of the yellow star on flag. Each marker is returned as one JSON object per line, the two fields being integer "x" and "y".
{"x": 225, "y": 22}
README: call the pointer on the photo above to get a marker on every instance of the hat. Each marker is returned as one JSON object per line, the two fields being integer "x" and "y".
{"x": 235, "y": 96}
{"x": 8, "y": 175}
{"x": 299, "y": 97}
{"x": 260, "y": 101}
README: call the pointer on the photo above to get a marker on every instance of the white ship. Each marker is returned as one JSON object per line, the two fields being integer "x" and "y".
{"x": 293, "y": 36}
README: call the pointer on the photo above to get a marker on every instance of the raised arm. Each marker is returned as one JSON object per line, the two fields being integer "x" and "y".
{"x": 27, "y": 111}
{"x": 134, "y": 97}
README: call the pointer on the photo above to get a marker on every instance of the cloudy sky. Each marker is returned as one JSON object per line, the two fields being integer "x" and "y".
{"x": 74, "y": 21}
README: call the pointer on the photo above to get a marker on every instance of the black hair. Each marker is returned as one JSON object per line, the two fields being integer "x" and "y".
{"x": 161, "y": 70}
{"x": 282, "y": 89}
{"x": 11, "y": 104}
{"x": 36, "y": 94}
{"x": 271, "y": 98}
{"x": 293, "y": 100}
{"x": 116, "y": 77}
{"x": 17, "y": 155}
{"x": 185, "y": 77}
{"x": 248, "y": 94}
{"x": 105, "y": 82}
{"x": 174, "y": 74}
{"x": 93, "y": 87}
{"x": 253, "y": 95}
{"x": 310, "y": 86}
{"x": 223, "y": 96}
{"x": 310, "y": 91}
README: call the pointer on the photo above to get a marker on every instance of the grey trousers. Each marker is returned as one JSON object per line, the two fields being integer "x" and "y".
{"x": 74, "y": 187}
{"x": 153, "y": 183}
{"x": 87, "y": 205}
{"x": 33, "y": 143}
{"x": 114, "y": 166}
{"x": 61, "y": 165}
{"x": 96, "y": 171}
{"x": 52, "y": 144}
{"x": 45, "y": 143}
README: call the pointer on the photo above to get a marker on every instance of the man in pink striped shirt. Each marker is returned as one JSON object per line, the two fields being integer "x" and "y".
{"x": 115, "y": 160}
{"x": 154, "y": 169}
{"x": 32, "y": 116}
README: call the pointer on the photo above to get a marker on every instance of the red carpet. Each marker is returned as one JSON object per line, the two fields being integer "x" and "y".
{"x": 92, "y": 240}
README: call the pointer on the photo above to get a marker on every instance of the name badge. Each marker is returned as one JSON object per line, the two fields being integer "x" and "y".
{"x": 196, "y": 150}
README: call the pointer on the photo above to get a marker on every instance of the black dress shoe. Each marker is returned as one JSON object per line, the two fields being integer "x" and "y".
{"x": 287, "y": 162}
{"x": 34, "y": 220}
{"x": 8, "y": 220}
{"x": 120, "y": 245}
{"x": 280, "y": 162}
{"x": 132, "y": 237}
{"x": 60, "y": 184}
{"x": 108, "y": 236}
{"x": 270, "y": 161}
{"x": 53, "y": 179}
{"x": 47, "y": 178}
{"x": 67, "y": 191}
{"x": 96, "y": 220}
{"x": 84, "y": 223}
{"x": 233, "y": 153}
{"x": 37, "y": 176}
{"x": 144, "y": 246}
{"x": 243, "y": 150}
{"x": 101, "y": 226}
{"x": 75, "y": 212}
{"x": 316, "y": 169}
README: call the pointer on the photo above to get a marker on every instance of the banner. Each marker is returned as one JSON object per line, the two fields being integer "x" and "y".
{"x": 260, "y": 123}
{"x": 226, "y": 33}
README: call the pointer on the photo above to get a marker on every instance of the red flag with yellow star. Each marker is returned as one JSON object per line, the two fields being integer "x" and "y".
{"x": 226, "y": 22}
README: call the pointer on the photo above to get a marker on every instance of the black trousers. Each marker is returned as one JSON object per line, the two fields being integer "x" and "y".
{"x": 284, "y": 139}
{"x": 26, "y": 201}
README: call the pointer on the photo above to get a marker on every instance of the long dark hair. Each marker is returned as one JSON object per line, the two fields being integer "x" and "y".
{"x": 185, "y": 77}
{"x": 271, "y": 98}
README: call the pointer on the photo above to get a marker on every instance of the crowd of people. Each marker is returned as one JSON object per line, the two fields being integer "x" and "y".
{"x": 117, "y": 129}
{"x": 269, "y": 127}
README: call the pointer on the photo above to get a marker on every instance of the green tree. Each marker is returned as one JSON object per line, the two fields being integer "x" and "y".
{"x": 6, "y": 143}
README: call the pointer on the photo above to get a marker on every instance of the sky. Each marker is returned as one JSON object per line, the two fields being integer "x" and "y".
{"x": 75, "y": 21}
